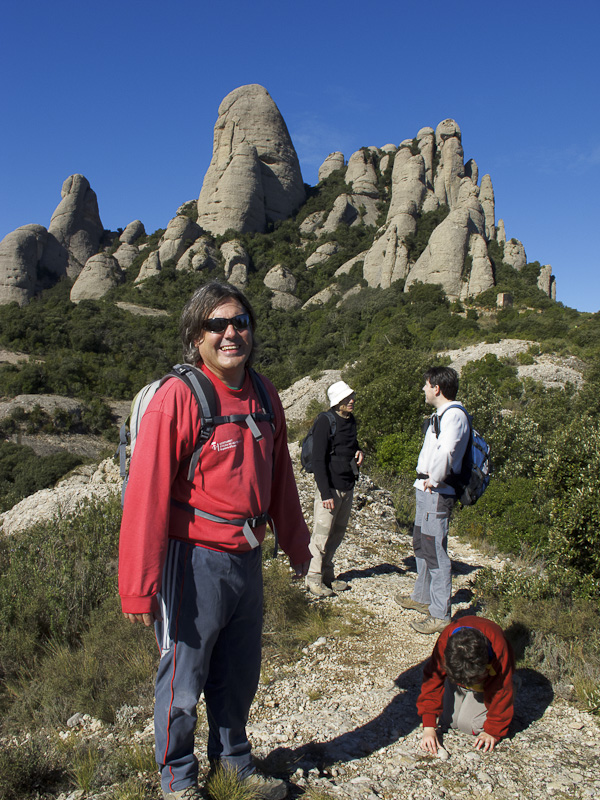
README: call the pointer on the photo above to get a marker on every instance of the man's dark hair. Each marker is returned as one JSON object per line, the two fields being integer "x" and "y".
{"x": 466, "y": 656}
{"x": 198, "y": 309}
{"x": 444, "y": 377}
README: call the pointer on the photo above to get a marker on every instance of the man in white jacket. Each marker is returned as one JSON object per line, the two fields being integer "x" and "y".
{"x": 445, "y": 445}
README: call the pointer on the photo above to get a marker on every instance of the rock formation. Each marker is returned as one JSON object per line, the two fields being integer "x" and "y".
{"x": 100, "y": 274}
{"x": 254, "y": 177}
{"x": 180, "y": 233}
{"x": 333, "y": 162}
{"x": 283, "y": 285}
{"x": 202, "y": 255}
{"x": 546, "y": 281}
{"x": 514, "y": 254}
{"x": 75, "y": 229}
{"x": 20, "y": 255}
{"x": 322, "y": 253}
{"x": 486, "y": 198}
{"x": 133, "y": 232}
{"x": 450, "y": 170}
{"x": 236, "y": 264}
{"x": 361, "y": 174}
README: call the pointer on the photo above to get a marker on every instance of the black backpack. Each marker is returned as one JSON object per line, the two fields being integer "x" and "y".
{"x": 474, "y": 476}
{"x": 307, "y": 443}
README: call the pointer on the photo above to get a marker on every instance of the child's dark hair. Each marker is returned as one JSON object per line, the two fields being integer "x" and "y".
{"x": 444, "y": 377}
{"x": 466, "y": 656}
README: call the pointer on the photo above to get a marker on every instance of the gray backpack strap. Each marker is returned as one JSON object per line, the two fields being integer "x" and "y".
{"x": 247, "y": 525}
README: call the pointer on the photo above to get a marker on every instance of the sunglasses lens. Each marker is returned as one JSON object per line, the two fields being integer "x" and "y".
{"x": 220, "y": 324}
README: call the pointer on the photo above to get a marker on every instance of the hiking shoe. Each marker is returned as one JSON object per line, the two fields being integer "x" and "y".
{"x": 406, "y": 601}
{"x": 189, "y": 793}
{"x": 265, "y": 787}
{"x": 319, "y": 589}
{"x": 337, "y": 585}
{"x": 429, "y": 625}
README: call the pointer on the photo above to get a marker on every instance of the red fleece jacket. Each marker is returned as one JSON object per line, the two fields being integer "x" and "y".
{"x": 237, "y": 477}
{"x": 497, "y": 688}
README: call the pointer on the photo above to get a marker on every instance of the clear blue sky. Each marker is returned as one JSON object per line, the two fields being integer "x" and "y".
{"x": 127, "y": 93}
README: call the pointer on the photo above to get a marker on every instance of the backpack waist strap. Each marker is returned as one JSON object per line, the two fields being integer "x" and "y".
{"x": 246, "y": 525}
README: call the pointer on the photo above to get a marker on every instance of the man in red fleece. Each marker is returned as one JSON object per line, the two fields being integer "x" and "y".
{"x": 468, "y": 684}
{"x": 199, "y": 579}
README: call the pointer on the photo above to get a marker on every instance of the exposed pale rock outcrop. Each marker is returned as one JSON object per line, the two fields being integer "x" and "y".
{"x": 500, "y": 232}
{"x": 75, "y": 230}
{"x": 387, "y": 155}
{"x": 236, "y": 264}
{"x": 387, "y": 259}
{"x": 322, "y": 253}
{"x": 181, "y": 232}
{"x": 254, "y": 176}
{"x": 149, "y": 268}
{"x": 450, "y": 170}
{"x": 312, "y": 222}
{"x": 426, "y": 145}
{"x": 280, "y": 279}
{"x": 482, "y": 274}
{"x": 100, "y": 274}
{"x": 546, "y": 281}
{"x": 443, "y": 260}
{"x": 347, "y": 265}
{"x": 133, "y": 232}
{"x": 284, "y": 301}
{"x": 488, "y": 204}
{"x": 126, "y": 254}
{"x": 514, "y": 254}
{"x": 351, "y": 209}
{"x": 472, "y": 170}
{"x": 20, "y": 254}
{"x": 333, "y": 162}
{"x": 322, "y": 297}
{"x": 361, "y": 174}
{"x": 202, "y": 255}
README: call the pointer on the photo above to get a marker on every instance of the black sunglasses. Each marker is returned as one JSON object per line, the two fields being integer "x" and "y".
{"x": 240, "y": 322}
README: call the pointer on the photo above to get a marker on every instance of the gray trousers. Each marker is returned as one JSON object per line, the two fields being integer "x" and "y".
{"x": 210, "y": 639}
{"x": 430, "y": 542}
{"x": 329, "y": 528}
{"x": 464, "y": 710}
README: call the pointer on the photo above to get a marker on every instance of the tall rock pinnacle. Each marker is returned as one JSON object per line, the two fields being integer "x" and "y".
{"x": 254, "y": 176}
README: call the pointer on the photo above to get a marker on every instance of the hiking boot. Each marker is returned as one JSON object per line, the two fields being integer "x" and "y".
{"x": 406, "y": 601}
{"x": 265, "y": 787}
{"x": 429, "y": 625}
{"x": 337, "y": 585}
{"x": 189, "y": 793}
{"x": 319, "y": 589}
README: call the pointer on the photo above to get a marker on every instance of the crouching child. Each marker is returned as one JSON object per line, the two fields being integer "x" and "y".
{"x": 468, "y": 684}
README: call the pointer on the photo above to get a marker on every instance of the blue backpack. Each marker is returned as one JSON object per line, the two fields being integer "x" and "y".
{"x": 474, "y": 476}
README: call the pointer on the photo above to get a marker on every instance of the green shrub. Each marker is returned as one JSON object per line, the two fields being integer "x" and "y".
{"x": 23, "y": 472}
{"x": 397, "y": 453}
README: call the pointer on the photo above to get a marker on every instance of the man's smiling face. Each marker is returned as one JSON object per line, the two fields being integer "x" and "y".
{"x": 225, "y": 354}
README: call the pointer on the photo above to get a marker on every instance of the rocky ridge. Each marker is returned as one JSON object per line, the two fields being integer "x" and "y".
{"x": 253, "y": 181}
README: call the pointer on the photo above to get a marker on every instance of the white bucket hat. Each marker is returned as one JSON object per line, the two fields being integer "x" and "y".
{"x": 338, "y": 392}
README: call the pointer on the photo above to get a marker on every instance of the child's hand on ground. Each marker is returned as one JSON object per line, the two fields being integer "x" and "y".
{"x": 430, "y": 742}
{"x": 485, "y": 741}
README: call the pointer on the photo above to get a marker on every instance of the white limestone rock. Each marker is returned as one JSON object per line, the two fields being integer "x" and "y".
{"x": 351, "y": 209}
{"x": 236, "y": 263}
{"x": 333, "y": 162}
{"x": 514, "y": 254}
{"x": 133, "y": 232}
{"x": 126, "y": 255}
{"x": 149, "y": 268}
{"x": 312, "y": 223}
{"x": 361, "y": 174}
{"x": 322, "y": 253}
{"x": 280, "y": 279}
{"x": 500, "y": 232}
{"x": 100, "y": 274}
{"x": 284, "y": 301}
{"x": 254, "y": 176}
{"x": 472, "y": 170}
{"x": 387, "y": 259}
{"x": 426, "y": 144}
{"x": 181, "y": 232}
{"x": 201, "y": 256}
{"x": 408, "y": 184}
{"x": 322, "y": 297}
{"x": 482, "y": 272}
{"x": 450, "y": 170}
{"x": 488, "y": 203}
{"x": 547, "y": 282}
{"x": 20, "y": 254}
{"x": 347, "y": 265}
{"x": 75, "y": 229}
